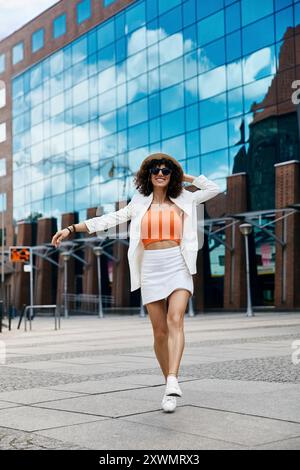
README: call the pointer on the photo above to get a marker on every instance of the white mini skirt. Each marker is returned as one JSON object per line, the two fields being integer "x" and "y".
{"x": 163, "y": 271}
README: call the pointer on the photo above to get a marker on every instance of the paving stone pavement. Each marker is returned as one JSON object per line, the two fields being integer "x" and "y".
{"x": 96, "y": 384}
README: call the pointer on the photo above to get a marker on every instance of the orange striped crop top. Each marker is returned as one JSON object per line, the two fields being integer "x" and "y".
{"x": 161, "y": 224}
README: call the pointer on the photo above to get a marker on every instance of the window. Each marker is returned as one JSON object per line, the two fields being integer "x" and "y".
{"x": 2, "y": 202}
{"x": 83, "y": 11}
{"x": 60, "y": 26}
{"x": 2, "y": 63}
{"x": 37, "y": 40}
{"x": 18, "y": 53}
{"x": 2, "y": 132}
{"x": 253, "y": 10}
{"x": 2, "y": 94}
{"x": 2, "y": 167}
{"x": 106, "y": 3}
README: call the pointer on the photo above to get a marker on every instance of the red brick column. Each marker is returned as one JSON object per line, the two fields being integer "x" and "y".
{"x": 21, "y": 278}
{"x": 67, "y": 220}
{"x": 287, "y": 272}
{"x": 121, "y": 274}
{"x": 44, "y": 275}
{"x": 90, "y": 280}
{"x": 235, "y": 289}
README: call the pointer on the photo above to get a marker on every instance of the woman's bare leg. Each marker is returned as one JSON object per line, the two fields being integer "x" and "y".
{"x": 175, "y": 320}
{"x": 157, "y": 312}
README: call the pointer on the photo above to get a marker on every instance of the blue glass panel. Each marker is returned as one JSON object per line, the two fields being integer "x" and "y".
{"x": 170, "y": 48}
{"x": 233, "y": 17}
{"x": 172, "y": 98}
{"x": 18, "y": 53}
{"x": 105, "y": 33}
{"x": 136, "y": 41}
{"x": 211, "y": 28}
{"x": 37, "y": 40}
{"x": 192, "y": 117}
{"x": 174, "y": 147}
{"x": 122, "y": 118}
{"x": 138, "y": 136}
{"x": 190, "y": 38}
{"x": 138, "y": 112}
{"x": 214, "y": 137}
{"x": 152, "y": 9}
{"x": 154, "y": 129}
{"x": 154, "y": 105}
{"x": 120, "y": 25}
{"x": 279, "y": 4}
{"x": 235, "y": 131}
{"x": 189, "y": 12}
{"x": 235, "y": 102}
{"x": 190, "y": 64}
{"x": 106, "y": 57}
{"x": 259, "y": 64}
{"x": 83, "y": 10}
{"x": 234, "y": 75}
{"x": 214, "y": 54}
{"x": 170, "y": 22}
{"x": 213, "y": 110}
{"x": 212, "y": 83}
{"x": 284, "y": 20}
{"x": 79, "y": 49}
{"x": 193, "y": 144}
{"x": 297, "y": 14}
{"x": 207, "y": 8}
{"x": 120, "y": 50}
{"x": 135, "y": 17}
{"x": 165, "y": 5}
{"x": 191, "y": 91}
{"x": 215, "y": 164}
{"x": 60, "y": 26}
{"x": 233, "y": 46}
{"x": 92, "y": 42}
{"x": 252, "y": 10}
{"x": 256, "y": 92}
{"x": 258, "y": 35}
{"x": 171, "y": 73}
{"x": 106, "y": 3}
{"x": 172, "y": 124}
{"x": 36, "y": 75}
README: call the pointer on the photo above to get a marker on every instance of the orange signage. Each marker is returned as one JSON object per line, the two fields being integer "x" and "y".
{"x": 19, "y": 255}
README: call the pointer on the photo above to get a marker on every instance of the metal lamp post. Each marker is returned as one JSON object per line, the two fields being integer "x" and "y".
{"x": 246, "y": 230}
{"x": 66, "y": 257}
{"x": 98, "y": 250}
{"x": 2, "y": 253}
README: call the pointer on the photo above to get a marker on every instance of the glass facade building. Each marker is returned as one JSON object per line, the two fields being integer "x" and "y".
{"x": 192, "y": 79}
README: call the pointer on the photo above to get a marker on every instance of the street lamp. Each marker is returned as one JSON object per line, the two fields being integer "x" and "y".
{"x": 246, "y": 230}
{"x": 66, "y": 257}
{"x": 2, "y": 252}
{"x": 98, "y": 250}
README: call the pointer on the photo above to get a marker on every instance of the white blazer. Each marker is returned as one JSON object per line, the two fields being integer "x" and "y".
{"x": 137, "y": 207}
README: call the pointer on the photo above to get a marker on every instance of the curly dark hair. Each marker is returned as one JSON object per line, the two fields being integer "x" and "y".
{"x": 142, "y": 180}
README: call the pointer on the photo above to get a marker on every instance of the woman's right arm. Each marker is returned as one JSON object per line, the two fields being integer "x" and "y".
{"x": 97, "y": 224}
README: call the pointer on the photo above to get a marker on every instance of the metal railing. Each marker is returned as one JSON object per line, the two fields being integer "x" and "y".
{"x": 27, "y": 307}
{"x": 87, "y": 303}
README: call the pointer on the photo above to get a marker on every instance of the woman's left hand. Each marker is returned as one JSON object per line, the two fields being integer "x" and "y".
{"x": 188, "y": 178}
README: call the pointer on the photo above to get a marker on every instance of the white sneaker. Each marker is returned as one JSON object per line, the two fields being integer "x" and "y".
{"x": 168, "y": 403}
{"x": 172, "y": 387}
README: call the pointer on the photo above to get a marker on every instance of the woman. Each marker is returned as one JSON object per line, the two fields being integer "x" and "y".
{"x": 162, "y": 253}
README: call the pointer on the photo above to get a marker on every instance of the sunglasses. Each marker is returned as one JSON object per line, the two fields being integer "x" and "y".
{"x": 156, "y": 170}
